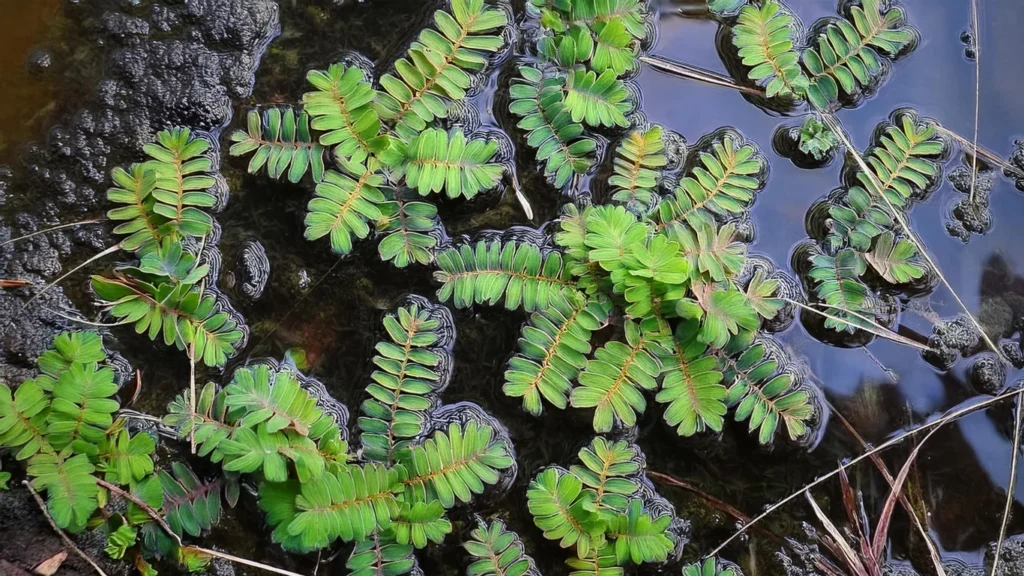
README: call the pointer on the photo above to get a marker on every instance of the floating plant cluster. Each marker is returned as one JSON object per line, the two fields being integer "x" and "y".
{"x": 643, "y": 288}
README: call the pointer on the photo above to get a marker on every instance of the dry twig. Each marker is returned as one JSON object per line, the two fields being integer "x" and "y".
{"x": 63, "y": 536}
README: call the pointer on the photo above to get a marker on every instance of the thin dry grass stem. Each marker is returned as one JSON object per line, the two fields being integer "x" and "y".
{"x": 52, "y": 229}
{"x": 1015, "y": 456}
{"x": 837, "y": 129}
{"x": 110, "y": 250}
{"x": 166, "y": 528}
{"x": 977, "y": 94}
{"x": 947, "y": 417}
{"x": 63, "y": 536}
{"x": 878, "y": 330}
{"x": 869, "y": 561}
{"x": 192, "y": 390}
{"x": 83, "y": 320}
{"x": 884, "y": 470}
{"x": 527, "y": 209}
{"x": 699, "y": 74}
{"x": 985, "y": 154}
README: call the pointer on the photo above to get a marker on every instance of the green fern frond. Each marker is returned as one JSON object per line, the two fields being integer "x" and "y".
{"x": 279, "y": 402}
{"x": 692, "y": 386}
{"x": 120, "y": 540}
{"x": 438, "y": 66}
{"x": 420, "y": 523}
{"x": 71, "y": 348}
{"x": 349, "y": 503}
{"x": 837, "y": 283}
{"x": 280, "y": 140}
{"x": 895, "y": 260}
{"x": 596, "y": 13}
{"x": 596, "y": 100}
{"x": 722, "y": 312}
{"x": 207, "y": 424}
{"x": 380, "y": 556}
{"x": 610, "y": 469}
{"x": 613, "y": 48}
{"x": 638, "y": 537}
{"x": 552, "y": 351}
{"x": 182, "y": 313}
{"x": 816, "y": 139}
{"x": 722, "y": 186}
{"x": 342, "y": 107}
{"x": 23, "y": 420}
{"x": 848, "y": 51}
{"x": 765, "y": 39}
{"x": 129, "y": 459}
{"x": 488, "y": 271}
{"x": 183, "y": 181}
{"x": 712, "y": 252}
{"x": 762, "y": 295}
{"x": 277, "y": 500}
{"x": 71, "y": 489}
{"x": 564, "y": 510}
{"x": 82, "y": 407}
{"x": 764, "y": 394}
{"x": 405, "y": 225}
{"x": 904, "y": 161}
{"x": 710, "y": 567}
{"x": 404, "y": 378}
{"x": 611, "y": 235}
{"x": 598, "y": 563}
{"x": 171, "y": 262}
{"x": 454, "y": 464}
{"x": 497, "y": 552}
{"x": 857, "y": 219}
{"x": 550, "y": 129}
{"x": 346, "y": 203}
{"x": 190, "y": 505}
{"x": 637, "y": 160}
{"x": 437, "y": 161}
{"x": 144, "y": 228}
{"x": 613, "y": 381}
{"x": 250, "y": 450}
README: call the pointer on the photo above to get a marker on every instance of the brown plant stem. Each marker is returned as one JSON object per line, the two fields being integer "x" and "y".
{"x": 163, "y": 525}
{"x": 63, "y": 536}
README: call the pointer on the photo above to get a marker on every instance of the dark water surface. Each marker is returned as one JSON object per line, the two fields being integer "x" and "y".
{"x": 961, "y": 475}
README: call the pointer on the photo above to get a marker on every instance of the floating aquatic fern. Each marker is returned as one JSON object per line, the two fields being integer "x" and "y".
{"x": 596, "y": 100}
{"x": 436, "y": 161}
{"x": 403, "y": 383}
{"x": 488, "y": 271}
{"x": 346, "y": 203}
{"x": 558, "y": 139}
{"x": 281, "y": 140}
{"x": 895, "y": 259}
{"x": 438, "y": 65}
{"x": 379, "y": 556}
{"x": 343, "y": 107}
{"x": 837, "y": 283}
{"x": 765, "y": 39}
{"x": 612, "y": 382}
{"x": 636, "y": 175}
{"x": 496, "y": 551}
{"x": 692, "y": 386}
{"x": 552, "y": 351}
{"x": 723, "y": 185}
{"x": 454, "y": 464}
{"x": 406, "y": 227}
{"x": 848, "y": 52}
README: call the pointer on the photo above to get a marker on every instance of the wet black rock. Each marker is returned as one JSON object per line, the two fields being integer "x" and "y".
{"x": 988, "y": 374}
{"x": 967, "y": 216}
{"x": 206, "y": 53}
{"x": 1013, "y": 353}
{"x": 39, "y": 61}
{"x": 1011, "y": 557}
